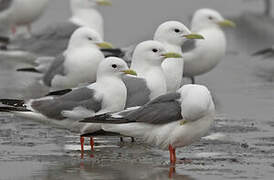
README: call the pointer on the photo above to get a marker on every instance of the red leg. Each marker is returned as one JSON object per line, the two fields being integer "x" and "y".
{"x": 92, "y": 143}
{"x": 172, "y": 154}
{"x": 82, "y": 140}
{"x": 13, "y": 29}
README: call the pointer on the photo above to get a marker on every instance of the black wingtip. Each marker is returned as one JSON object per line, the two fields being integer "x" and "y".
{"x": 96, "y": 119}
{"x": 13, "y": 109}
{"x": 59, "y": 93}
{"x": 5, "y": 40}
{"x": 113, "y": 52}
{"x": 104, "y": 118}
{"x": 263, "y": 52}
{"x": 13, "y": 102}
{"x": 28, "y": 70}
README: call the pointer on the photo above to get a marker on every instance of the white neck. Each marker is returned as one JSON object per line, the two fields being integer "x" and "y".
{"x": 90, "y": 18}
{"x": 173, "y": 68}
{"x": 154, "y": 77}
{"x": 114, "y": 92}
{"x": 172, "y": 47}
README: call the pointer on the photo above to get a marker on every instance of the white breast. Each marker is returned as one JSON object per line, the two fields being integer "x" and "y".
{"x": 81, "y": 65}
{"x": 114, "y": 94}
{"x": 207, "y": 54}
{"x": 173, "y": 69}
{"x": 27, "y": 11}
{"x": 156, "y": 81}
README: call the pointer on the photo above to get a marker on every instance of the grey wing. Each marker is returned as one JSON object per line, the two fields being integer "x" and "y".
{"x": 128, "y": 53}
{"x": 53, "y": 108}
{"x": 137, "y": 91}
{"x": 57, "y": 67}
{"x": 124, "y": 53}
{"x": 5, "y": 4}
{"x": 50, "y": 41}
{"x": 189, "y": 45}
{"x": 163, "y": 109}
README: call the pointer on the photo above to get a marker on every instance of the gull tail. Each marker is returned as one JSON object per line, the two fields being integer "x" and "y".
{"x": 105, "y": 118}
{"x": 30, "y": 69}
{"x": 13, "y": 102}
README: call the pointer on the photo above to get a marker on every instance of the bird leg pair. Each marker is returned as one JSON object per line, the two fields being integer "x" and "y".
{"x": 82, "y": 140}
{"x": 172, "y": 154}
{"x": 13, "y": 29}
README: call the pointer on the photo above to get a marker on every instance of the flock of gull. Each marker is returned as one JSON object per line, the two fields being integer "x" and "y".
{"x": 137, "y": 91}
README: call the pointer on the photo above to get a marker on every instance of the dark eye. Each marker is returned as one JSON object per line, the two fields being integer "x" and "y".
{"x": 155, "y": 50}
{"x": 114, "y": 65}
{"x": 210, "y": 17}
{"x": 177, "y": 30}
{"x": 89, "y": 38}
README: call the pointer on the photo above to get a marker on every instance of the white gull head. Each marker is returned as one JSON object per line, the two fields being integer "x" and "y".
{"x": 196, "y": 102}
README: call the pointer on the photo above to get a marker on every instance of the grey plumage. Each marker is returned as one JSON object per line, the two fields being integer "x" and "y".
{"x": 125, "y": 53}
{"x": 5, "y": 4}
{"x": 49, "y": 41}
{"x": 161, "y": 110}
{"x": 137, "y": 91}
{"x": 57, "y": 67}
{"x": 82, "y": 97}
{"x": 189, "y": 45}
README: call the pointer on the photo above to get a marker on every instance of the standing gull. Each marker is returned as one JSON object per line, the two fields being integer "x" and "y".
{"x": 170, "y": 121}
{"x": 78, "y": 63}
{"x": 84, "y": 13}
{"x": 21, "y": 12}
{"x": 173, "y": 34}
{"x": 107, "y": 94}
{"x": 202, "y": 56}
{"x": 150, "y": 83}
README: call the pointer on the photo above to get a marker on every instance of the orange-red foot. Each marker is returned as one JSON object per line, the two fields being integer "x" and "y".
{"x": 82, "y": 140}
{"x": 172, "y": 155}
{"x": 91, "y": 143}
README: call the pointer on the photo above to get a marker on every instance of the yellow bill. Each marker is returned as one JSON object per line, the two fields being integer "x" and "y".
{"x": 226, "y": 23}
{"x": 104, "y": 2}
{"x": 193, "y": 36}
{"x": 130, "y": 72}
{"x": 104, "y": 45}
{"x": 172, "y": 55}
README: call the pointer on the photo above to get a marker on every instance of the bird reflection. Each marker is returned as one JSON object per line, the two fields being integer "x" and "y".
{"x": 113, "y": 171}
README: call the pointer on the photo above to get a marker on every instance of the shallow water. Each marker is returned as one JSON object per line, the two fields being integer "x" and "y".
{"x": 242, "y": 144}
